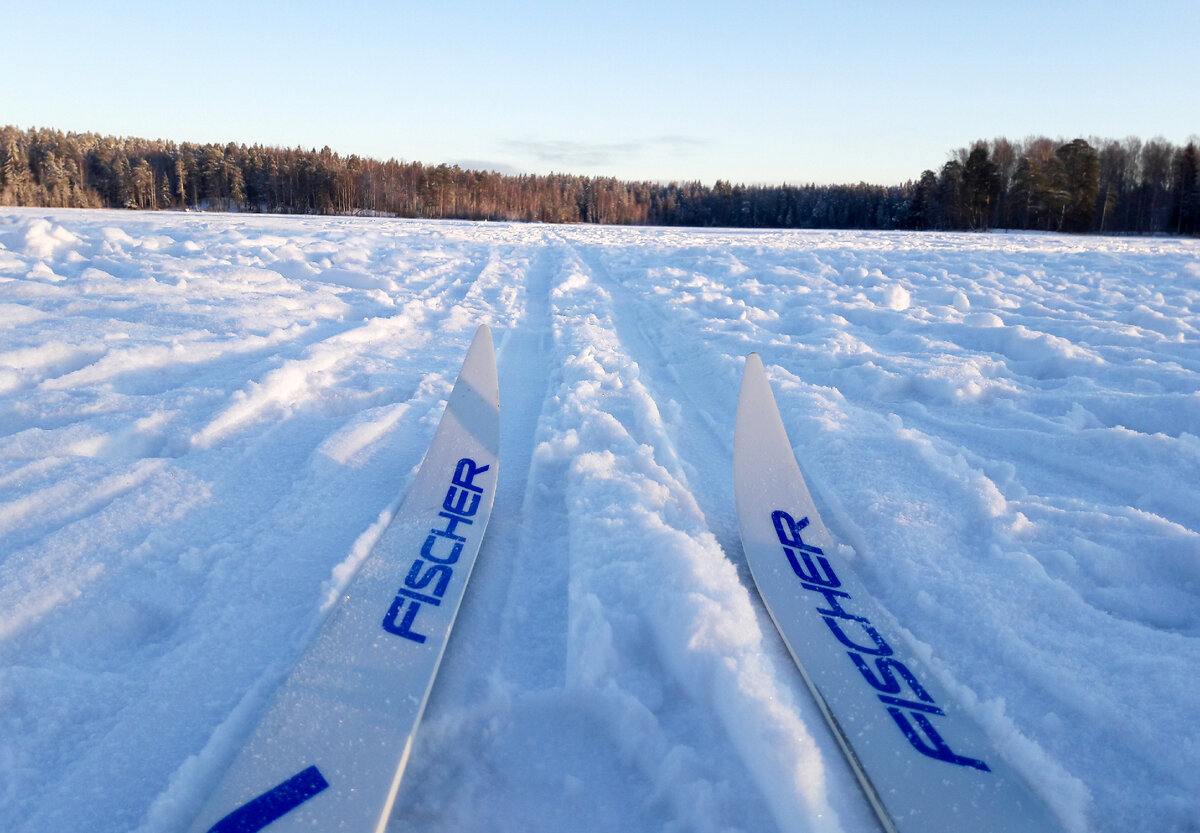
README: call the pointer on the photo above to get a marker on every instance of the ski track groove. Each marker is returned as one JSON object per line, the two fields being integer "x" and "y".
{"x": 318, "y": 365}
{"x": 539, "y": 576}
{"x": 613, "y": 666}
{"x": 519, "y": 582}
{"x": 689, "y": 427}
{"x": 795, "y": 801}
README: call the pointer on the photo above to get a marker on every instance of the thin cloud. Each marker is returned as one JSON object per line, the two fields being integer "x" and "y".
{"x": 572, "y": 155}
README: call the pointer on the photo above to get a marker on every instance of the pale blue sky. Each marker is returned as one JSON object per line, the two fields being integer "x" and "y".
{"x": 748, "y": 91}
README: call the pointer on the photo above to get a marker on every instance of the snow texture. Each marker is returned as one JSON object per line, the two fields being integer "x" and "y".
{"x": 206, "y": 420}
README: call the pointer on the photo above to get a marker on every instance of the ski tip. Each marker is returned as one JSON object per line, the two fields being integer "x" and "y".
{"x": 476, "y": 394}
{"x": 481, "y": 356}
{"x": 757, "y": 411}
{"x": 753, "y": 371}
{"x": 484, "y": 332}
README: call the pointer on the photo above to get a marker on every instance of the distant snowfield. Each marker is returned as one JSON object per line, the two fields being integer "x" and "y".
{"x": 205, "y": 421}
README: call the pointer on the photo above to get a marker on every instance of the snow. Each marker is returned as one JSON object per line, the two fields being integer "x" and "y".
{"x": 205, "y": 421}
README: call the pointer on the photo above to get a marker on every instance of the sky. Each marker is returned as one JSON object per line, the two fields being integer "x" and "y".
{"x": 748, "y": 91}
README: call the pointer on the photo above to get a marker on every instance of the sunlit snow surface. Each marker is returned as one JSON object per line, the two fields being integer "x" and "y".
{"x": 206, "y": 419}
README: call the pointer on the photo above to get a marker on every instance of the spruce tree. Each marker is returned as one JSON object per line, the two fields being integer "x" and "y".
{"x": 1186, "y": 201}
{"x": 1080, "y": 171}
{"x": 981, "y": 186}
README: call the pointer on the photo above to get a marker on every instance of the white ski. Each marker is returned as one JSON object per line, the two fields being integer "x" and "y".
{"x": 329, "y": 753}
{"x": 924, "y": 766}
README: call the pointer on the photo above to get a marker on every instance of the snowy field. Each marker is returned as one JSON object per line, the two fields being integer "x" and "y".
{"x": 206, "y": 419}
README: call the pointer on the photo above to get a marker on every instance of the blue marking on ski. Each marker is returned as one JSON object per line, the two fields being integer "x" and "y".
{"x": 257, "y": 813}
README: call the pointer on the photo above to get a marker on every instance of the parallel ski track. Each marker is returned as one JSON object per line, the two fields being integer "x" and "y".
{"x": 702, "y": 406}
{"x": 616, "y": 696}
{"x": 513, "y": 623}
{"x": 542, "y": 579}
{"x": 697, "y": 382}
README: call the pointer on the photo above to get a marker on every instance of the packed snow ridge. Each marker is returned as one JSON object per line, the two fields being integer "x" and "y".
{"x": 206, "y": 420}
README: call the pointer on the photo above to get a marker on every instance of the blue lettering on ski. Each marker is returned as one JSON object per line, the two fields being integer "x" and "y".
{"x": 429, "y": 574}
{"x": 869, "y": 651}
{"x": 257, "y": 813}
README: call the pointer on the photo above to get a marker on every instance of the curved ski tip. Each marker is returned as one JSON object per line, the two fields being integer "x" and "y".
{"x": 755, "y": 385}
{"x": 484, "y": 331}
{"x": 483, "y": 345}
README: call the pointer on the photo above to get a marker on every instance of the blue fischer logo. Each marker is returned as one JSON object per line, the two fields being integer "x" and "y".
{"x": 430, "y": 574}
{"x": 872, "y": 656}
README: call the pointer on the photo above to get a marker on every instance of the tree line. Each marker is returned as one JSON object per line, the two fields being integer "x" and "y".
{"x": 1129, "y": 186}
{"x": 1080, "y": 186}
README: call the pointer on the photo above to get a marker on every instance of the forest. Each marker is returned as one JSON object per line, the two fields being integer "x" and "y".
{"x": 1106, "y": 186}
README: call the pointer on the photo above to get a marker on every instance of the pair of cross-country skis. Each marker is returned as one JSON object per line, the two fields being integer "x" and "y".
{"x": 329, "y": 753}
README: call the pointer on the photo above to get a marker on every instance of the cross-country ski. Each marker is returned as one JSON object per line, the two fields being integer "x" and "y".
{"x": 923, "y": 765}
{"x": 330, "y": 752}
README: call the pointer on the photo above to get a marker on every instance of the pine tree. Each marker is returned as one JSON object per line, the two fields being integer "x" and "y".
{"x": 142, "y": 186}
{"x": 17, "y": 179}
{"x": 981, "y": 186}
{"x": 1027, "y": 200}
{"x": 950, "y": 196}
{"x": 1080, "y": 173}
{"x": 1187, "y": 192}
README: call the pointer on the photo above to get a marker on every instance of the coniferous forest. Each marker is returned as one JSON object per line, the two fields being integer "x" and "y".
{"x": 1093, "y": 185}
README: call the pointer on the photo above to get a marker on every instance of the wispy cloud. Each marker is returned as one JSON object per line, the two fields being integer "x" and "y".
{"x": 572, "y": 155}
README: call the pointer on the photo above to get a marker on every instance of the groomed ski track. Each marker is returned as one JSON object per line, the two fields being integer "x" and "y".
{"x": 605, "y": 663}
{"x": 264, "y": 387}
